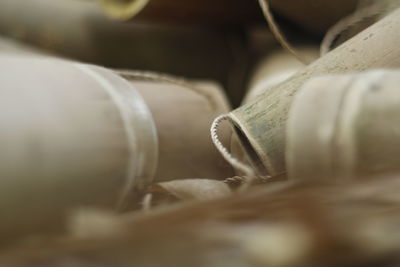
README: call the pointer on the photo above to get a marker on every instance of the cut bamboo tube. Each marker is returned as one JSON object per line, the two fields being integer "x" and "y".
{"x": 183, "y": 117}
{"x": 345, "y": 126}
{"x": 261, "y": 124}
{"x": 273, "y": 69}
{"x": 72, "y": 136}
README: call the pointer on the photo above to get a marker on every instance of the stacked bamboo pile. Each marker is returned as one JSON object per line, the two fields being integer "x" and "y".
{"x": 199, "y": 133}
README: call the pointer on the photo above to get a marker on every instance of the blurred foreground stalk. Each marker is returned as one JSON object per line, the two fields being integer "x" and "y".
{"x": 297, "y": 224}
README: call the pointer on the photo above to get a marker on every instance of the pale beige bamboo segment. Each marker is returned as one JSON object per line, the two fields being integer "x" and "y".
{"x": 263, "y": 122}
{"x": 312, "y": 126}
{"x": 72, "y": 135}
{"x": 345, "y": 126}
{"x": 10, "y": 46}
{"x": 183, "y": 118}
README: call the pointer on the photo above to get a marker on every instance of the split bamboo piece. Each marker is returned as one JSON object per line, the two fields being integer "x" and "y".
{"x": 261, "y": 124}
{"x": 345, "y": 126}
{"x": 79, "y": 30}
{"x": 221, "y": 12}
{"x": 72, "y": 135}
{"x": 183, "y": 113}
{"x": 314, "y": 15}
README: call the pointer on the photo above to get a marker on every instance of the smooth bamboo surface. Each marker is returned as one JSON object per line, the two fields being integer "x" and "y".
{"x": 345, "y": 126}
{"x": 183, "y": 117}
{"x": 73, "y": 136}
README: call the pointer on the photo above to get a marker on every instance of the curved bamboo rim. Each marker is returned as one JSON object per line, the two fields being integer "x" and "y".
{"x": 123, "y": 9}
{"x": 258, "y": 158}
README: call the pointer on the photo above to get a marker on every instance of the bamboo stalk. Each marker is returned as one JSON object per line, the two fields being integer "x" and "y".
{"x": 73, "y": 135}
{"x": 262, "y": 123}
{"x": 271, "y": 70}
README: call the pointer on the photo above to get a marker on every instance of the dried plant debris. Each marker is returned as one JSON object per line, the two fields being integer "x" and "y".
{"x": 286, "y": 224}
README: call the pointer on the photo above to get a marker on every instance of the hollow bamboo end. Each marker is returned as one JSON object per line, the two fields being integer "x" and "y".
{"x": 257, "y": 159}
